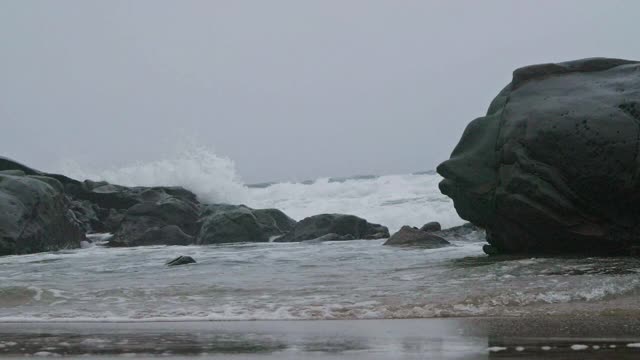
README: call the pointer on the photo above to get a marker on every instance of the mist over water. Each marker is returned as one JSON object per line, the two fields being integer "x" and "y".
{"x": 390, "y": 200}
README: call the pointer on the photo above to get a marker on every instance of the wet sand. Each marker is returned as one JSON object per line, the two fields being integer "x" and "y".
{"x": 463, "y": 338}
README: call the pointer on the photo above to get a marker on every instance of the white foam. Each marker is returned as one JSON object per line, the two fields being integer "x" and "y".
{"x": 46, "y": 354}
{"x": 391, "y": 200}
{"x": 496, "y": 349}
{"x": 213, "y": 178}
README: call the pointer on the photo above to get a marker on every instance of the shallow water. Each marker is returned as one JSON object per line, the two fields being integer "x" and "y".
{"x": 358, "y": 279}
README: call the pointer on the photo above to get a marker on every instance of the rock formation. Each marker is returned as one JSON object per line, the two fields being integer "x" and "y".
{"x": 553, "y": 167}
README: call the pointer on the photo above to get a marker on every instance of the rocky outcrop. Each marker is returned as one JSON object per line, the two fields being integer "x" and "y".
{"x": 35, "y": 215}
{"x": 238, "y": 223}
{"x": 553, "y": 167}
{"x": 141, "y": 216}
{"x": 163, "y": 218}
{"x": 408, "y": 235}
{"x": 320, "y": 225}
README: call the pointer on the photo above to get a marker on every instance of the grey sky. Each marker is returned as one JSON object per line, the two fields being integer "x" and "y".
{"x": 287, "y": 89}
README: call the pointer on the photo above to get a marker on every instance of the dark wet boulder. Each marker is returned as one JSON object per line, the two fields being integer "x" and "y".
{"x": 276, "y": 221}
{"x": 411, "y": 236}
{"x": 553, "y": 166}
{"x": 165, "y": 235}
{"x": 466, "y": 231}
{"x": 7, "y": 164}
{"x": 431, "y": 226}
{"x": 181, "y": 260}
{"x": 319, "y": 225}
{"x": 161, "y": 220}
{"x": 35, "y": 216}
{"x": 111, "y": 196}
{"x": 223, "y": 223}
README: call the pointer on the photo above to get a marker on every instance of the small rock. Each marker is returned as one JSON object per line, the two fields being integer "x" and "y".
{"x": 431, "y": 226}
{"x": 181, "y": 260}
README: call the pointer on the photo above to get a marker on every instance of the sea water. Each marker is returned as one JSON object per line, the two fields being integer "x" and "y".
{"x": 360, "y": 279}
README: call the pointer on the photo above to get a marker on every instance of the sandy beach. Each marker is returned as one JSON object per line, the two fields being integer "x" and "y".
{"x": 462, "y": 338}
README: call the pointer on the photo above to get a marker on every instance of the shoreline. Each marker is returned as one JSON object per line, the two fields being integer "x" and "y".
{"x": 446, "y": 338}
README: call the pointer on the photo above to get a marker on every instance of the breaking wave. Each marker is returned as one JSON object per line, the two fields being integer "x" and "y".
{"x": 391, "y": 200}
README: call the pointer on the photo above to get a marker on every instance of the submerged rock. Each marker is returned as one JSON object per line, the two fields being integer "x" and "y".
{"x": 320, "y": 225}
{"x": 35, "y": 216}
{"x": 408, "y": 235}
{"x": 553, "y": 166}
{"x": 181, "y": 260}
{"x": 331, "y": 237}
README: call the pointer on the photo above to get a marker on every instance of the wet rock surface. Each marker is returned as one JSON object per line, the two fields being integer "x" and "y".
{"x": 553, "y": 166}
{"x": 316, "y": 226}
{"x": 408, "y": 235}
{"x": 35, "y": 216}
{"x": 238, "y": 223}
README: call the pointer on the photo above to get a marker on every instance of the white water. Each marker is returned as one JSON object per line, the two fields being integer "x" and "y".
{"x": 390, "y": 200}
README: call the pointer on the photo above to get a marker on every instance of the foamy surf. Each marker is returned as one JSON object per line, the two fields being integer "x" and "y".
{"x": 390, "y": 200}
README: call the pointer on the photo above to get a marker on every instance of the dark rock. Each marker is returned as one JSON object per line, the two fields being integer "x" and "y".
{"x": 8, "y": 164}
{"x": 181, "y": 260}
{"x": 110, "y": 196}
{"x": 466, "y": 231}
{"x": 431, "y": 226}
{"x": 224, "y": 223}
{"x": 35, "y": 215}
{"x": 319, "y": 225}
{"x": 274, "y": 221}
{"x": 166, "y": 235}
{"x": 552, "y": 168}
{"x": 490, "y": 250}
{"x": 408, "y": 235}
{"x": 161, "y": 219}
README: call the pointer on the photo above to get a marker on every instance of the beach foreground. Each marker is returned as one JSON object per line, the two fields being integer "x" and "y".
{"x": 461, "y": 338}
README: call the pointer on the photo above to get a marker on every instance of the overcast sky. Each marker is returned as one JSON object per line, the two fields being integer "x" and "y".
{"x": 287, "y": 89}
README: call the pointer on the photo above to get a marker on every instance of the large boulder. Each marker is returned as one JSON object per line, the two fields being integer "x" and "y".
{"x": 553, "y": 166}
{"x": 222, "y": 223}
{"x": 35, "y": 215}
{"x": 408, "y": 235}
{"x": 161, "y": 219}
{"x": 319, "y": 225}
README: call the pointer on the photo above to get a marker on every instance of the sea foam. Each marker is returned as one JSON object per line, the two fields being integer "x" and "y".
{"x": 390, "y": 200}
